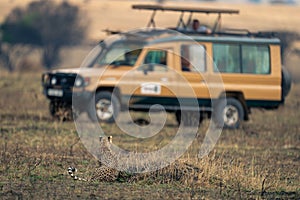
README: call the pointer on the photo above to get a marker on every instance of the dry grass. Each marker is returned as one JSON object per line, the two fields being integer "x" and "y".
{"x": 259, "y": 160}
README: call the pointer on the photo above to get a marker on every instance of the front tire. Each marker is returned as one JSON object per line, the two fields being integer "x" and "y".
{"x": 229, "y": 113}
{"x": 105, "y": 108}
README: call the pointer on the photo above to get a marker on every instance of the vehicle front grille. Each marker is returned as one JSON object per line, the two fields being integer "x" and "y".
{"x": 62, "y": 79}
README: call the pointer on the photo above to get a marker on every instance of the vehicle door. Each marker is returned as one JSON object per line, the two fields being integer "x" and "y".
{"x": 193, "y": 61}
{"x": 152, "y": 81}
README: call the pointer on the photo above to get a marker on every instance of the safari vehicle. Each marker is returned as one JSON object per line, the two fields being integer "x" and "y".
{"x": 138, "y": 69}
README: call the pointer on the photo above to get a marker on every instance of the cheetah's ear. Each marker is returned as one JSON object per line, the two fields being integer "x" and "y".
{"x": 100, "y": 138}
{"x": 109, "y": 138}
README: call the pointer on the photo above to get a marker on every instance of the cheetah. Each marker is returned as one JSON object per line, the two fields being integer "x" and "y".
{"x": 104, "y": 172}
{"x": 108, "y": 165}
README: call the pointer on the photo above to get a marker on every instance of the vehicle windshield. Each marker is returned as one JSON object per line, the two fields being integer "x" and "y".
{"x": 90, "y": 59}
{"x": 122, "y": 52}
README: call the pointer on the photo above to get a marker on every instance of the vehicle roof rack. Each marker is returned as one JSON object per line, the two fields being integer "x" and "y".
{"x": 215, "y": 30}
{"x": 233, "y": 32}
{"x": 183, "y": 10}
{"x": 246, "y": 32}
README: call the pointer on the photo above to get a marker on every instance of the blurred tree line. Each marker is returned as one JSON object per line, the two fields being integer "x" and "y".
{"x": 43, "y": 24}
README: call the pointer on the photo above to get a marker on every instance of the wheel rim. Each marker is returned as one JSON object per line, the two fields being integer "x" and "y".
{"x": 104, "y": 109}
{"x": 230, "y": 115}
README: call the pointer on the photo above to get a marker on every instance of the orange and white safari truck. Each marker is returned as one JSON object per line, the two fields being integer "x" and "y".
{"x": 138, "y": 69}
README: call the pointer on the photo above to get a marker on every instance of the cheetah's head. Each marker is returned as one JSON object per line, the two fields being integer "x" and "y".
{"x": 106, "y": 141}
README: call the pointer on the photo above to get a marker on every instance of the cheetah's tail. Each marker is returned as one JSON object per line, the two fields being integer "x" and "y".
{"x": 72, "y": 171}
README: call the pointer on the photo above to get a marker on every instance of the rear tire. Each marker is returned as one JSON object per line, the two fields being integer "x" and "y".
{"x": 229, "y": 113}
{"x": 286, "y": 82}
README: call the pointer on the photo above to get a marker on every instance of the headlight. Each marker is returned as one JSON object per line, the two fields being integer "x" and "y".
{"x": 78, "y": 82}
{"x": 53, "y": 81}
{"x": 81, "y": 82}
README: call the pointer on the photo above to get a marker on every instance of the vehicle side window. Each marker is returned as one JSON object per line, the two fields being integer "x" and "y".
{"x": 226, "y": 58}
{"x": 155, "y": 60}
{"x": 256, "y": 59}
{"x": 193, "y": 58}
{"x": 245, "y": 58}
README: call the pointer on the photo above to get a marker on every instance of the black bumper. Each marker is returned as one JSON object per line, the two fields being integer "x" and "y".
{"x": 68, "y": 96}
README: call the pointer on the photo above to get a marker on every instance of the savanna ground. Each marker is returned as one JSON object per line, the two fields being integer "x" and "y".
{"x": 260, "y": 160}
